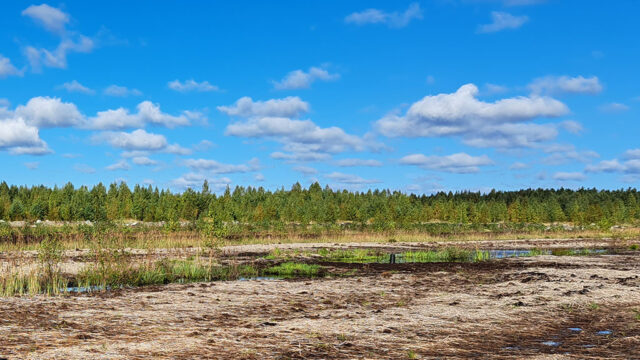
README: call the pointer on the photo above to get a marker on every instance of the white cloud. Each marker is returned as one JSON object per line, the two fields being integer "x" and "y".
{"x": 518, "y": 166}
{"x": 298, "y": 136}
{"x": 358, "y": 162}
{"x": 216, "y": 167}
{"x": 144, "y": 161}
{"x": 632, "y": 154}
{"x": 5, "y": 102}
{"x": 393, "y": 19}
{"x": 58, "y": 57}
{"x": 305, "y": 170}
{"x": 121, "y": 91}
{"x": 49, "y": 112}
{"x": 194, "y": 180}
{"x": 566, "y": 84}
{"x": 502, "y": 21}
{"x": 571, "y": 126}
{"x": 203, "y": 145}
{"x": 349, "y": 179}
{"x": 606, "y": 166}
{"x": 136, "y": 140}
{"x": 148, "y": 113}
{"x": 19, "y": 138}
{"x": 569, "y": 176}
{"x": 460, "y": 163}
{"x": 7, "y": 68}
{"x": 75, "y": 86}
{"x": 259, "y": 177}
{"x": 177, "y": 150}
{"x": 192, "y": 85}
{"x": 300, "y": 157}
{"x": 562, "y": 154}
{"x": 291, "y": 106}
{"x": 630, "y": 165}
{"x": 52, "y": 19}
{"x": 120, "y": 165}
{"x": 614, "y": 108}
{"x": 298, "y": 79}
{"x": 479, "y": 123}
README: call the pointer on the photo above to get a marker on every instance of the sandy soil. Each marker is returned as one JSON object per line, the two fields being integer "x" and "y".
{"x": 510, "y": 308}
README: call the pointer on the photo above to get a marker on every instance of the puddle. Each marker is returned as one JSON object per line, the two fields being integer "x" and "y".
{"x": 84, "y": 289}
{"x": 551, "y": 343}
{"x": 604, "y": 332}
{"x": 575, "y": 329}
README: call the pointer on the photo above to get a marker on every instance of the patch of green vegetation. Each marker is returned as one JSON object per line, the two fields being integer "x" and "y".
{"x": 292, "y": 269}
{"x": 594, "y": 306}
{"x": 634, "y": 247}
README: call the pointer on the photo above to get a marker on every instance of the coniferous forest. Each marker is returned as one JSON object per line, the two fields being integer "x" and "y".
{"x": 316, "y": 204}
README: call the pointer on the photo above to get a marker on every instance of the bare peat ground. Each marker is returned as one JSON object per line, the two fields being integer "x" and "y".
{"x": 509, "y": 308}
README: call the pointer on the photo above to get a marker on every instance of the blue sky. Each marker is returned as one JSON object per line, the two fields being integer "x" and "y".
{"x": 414, "y": 96}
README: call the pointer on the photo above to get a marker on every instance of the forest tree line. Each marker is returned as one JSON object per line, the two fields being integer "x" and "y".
{"x": 316, "y": 204}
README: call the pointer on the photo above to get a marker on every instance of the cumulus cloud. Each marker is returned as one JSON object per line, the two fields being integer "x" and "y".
{"x": 46, "y": 112}
{"x": 120, "y": 165}
{"x": 342, "y": 178}
{"x": 502, "y": 21}
{"x": 143, "y": 161}
{"x": 299, "y": 79}
{"x": 138, "y": 140}
{"x": 391, "y": 19}
{"x": 192, "y": 85}
{"x": 460, "y": 163}
{"x": 55, "y": 21}
{"x": 562, "y": 154}
{"x": 52, "y": 19}
{"x": 358, "y": 162}
{"x": 297, "y": 135}
{"x": 566, "y": 85}
{"x": 148, "y": 113}
{"x": 569, "y": 176}
{"x": 629, "y": 165}
{"x": 216, "y": 167}
{"x": 20, "y": 138}
{"x": 121, "y": 91}
{"x": 481, "y": 124}
{"x": 75, "y": 86}
{"x": 7, "y": 68}
{"x": 291, "y": 106}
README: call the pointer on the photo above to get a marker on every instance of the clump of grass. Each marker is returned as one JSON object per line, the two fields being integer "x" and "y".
{"x": 160, "y": 272}
{"x": 634, "y": 247}
{"x": 292, "y": 269}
